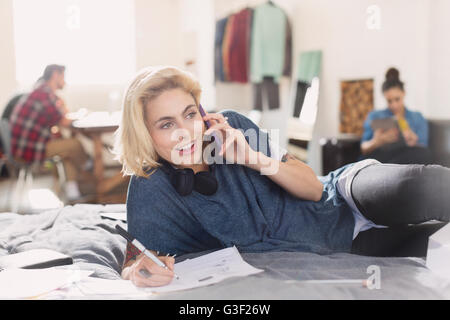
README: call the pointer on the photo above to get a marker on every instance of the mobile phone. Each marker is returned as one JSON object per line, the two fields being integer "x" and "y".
{"x": 208, "y": 125}
{"x": 203, "y": 113}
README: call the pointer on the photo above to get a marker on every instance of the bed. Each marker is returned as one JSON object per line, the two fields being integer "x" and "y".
{"x": 92, "y": 241}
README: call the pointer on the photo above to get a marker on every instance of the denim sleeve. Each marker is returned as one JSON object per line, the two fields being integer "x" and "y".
{"x": 421, "y": 129}
{"x": 368, "y": 132}
{"x": 257, "y": 138}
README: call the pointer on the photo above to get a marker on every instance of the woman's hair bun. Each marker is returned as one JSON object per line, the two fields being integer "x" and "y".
{"x": 392, "y": 75}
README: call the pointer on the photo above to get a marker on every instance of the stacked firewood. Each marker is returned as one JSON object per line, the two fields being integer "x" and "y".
{"x": 356, "y": 103}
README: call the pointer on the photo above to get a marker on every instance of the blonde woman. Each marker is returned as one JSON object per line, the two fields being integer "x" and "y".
{"x": 186, "y": 196}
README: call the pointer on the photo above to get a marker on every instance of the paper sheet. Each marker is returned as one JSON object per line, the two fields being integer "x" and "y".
{"x": 208, "y": 269}
{"x": 32, "y": 283}
{"x": 438, "y": 254}
{"x": 58, "y": 283}
{"x": 97, "y": 286}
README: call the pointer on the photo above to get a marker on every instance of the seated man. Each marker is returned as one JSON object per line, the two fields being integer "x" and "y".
{"x": 34, "y": 119}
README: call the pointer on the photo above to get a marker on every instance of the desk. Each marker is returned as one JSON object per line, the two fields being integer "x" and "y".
{"x": 93, "y": 127}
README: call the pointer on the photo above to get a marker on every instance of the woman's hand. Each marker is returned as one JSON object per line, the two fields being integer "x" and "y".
{"x": 292, "y": 175}
{"x": 234, "y": 148}
{"x": 386, "y": 136}
{"x": 410, "y": 137}
{"x": 380, "y": 138}
{"x": 146, "y": 273}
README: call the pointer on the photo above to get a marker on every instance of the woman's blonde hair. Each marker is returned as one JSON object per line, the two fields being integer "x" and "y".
{"x": 133, "y": 143}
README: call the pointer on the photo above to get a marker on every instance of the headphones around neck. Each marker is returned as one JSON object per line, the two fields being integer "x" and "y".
{"x": 184, "y": 180}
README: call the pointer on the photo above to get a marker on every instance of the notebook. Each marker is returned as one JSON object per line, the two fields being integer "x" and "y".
{"x": 35, "y": 259}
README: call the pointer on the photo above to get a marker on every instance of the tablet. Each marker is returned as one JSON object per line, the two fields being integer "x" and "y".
{"x": 385, "y": 124}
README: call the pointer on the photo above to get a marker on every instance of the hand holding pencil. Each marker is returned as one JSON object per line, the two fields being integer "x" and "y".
{"x": 148, "y": 270}
{"x": 146, "y": 273}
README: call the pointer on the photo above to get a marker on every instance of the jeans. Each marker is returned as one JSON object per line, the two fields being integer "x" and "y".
{"x": 413, "y": 201}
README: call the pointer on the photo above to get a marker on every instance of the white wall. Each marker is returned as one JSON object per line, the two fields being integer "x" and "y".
{"x": 158, "y": 25}
{"x": 439, "y": 52}
{"x": 169, "y": 32}
{"x": 158, "y": 42}
{"x": 197, "y": 30}
{"x": 7, "y": 57}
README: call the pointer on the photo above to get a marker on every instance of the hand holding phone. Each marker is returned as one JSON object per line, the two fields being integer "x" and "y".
{"x": 235, "y": 141}
{"x": 217, "y": 140}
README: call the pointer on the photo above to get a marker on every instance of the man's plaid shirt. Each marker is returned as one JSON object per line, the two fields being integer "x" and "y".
{"x": 31, "y": 122}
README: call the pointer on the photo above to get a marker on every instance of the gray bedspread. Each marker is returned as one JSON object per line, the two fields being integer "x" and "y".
{"x": 78, "y": 231}
{"x": 93, "y": 243}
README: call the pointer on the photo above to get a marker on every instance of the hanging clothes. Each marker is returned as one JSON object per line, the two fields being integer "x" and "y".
{"x": 226, "y": 47}
{"x": 269, "y": 56}
{"x": 268, "y": 43}
{"x": 239, "y": 47}
{"x": 287, "y": 70}
{"x": 218, "y": 57}
{"x": 309, "y": 67}
{"x": 255, "y": 45}
{"x": 269, "y": 89}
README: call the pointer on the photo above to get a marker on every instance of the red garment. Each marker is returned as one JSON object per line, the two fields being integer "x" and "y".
{"x": 239, "y": 49}
{"x": 226, "y": 48}
{"x": 132, "y": 252}
{"x": 31, "y": 122}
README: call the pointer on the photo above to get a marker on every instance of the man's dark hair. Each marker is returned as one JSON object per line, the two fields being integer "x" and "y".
{"x": 50, "y": 69}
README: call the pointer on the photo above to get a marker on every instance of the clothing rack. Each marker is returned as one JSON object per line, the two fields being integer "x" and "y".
{"x": 249, "y": 5}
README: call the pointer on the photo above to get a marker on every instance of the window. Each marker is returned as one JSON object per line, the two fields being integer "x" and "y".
{"x": 95, "y": 40}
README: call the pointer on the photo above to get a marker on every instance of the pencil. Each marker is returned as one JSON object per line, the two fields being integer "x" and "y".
{"x": 141, "y": 247}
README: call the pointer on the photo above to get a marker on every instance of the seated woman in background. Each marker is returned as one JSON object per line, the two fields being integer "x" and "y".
{"x": 405, "y": 144}
{"x": 180, "y": 202}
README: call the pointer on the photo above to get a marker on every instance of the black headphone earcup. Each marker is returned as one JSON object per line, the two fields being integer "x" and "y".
{"x": 205, "y": 183}
{"x": 183, "y": 181}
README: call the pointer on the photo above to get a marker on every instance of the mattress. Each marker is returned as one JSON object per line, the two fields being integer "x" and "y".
{"x": 92, "y": 241}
